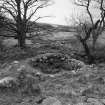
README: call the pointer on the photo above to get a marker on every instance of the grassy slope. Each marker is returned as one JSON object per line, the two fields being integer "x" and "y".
{"x": 68, "y": 87}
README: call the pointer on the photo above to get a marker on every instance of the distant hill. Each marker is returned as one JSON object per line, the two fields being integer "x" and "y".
{"x": 50, "y": 27}
{"x": 40, "y": 27}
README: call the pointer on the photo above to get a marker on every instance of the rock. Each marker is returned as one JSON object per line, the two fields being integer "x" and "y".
{"x": 16, "y": 62}
{"x": 77, "y": 65}
{"x": 52, "y": 76}
{"x": 80, "y": 63}
{"x": 22, "y": 67}
{"x": 8, "y": 84}
{"x": 51, "y": 101}
{"x": 7, "y": 80}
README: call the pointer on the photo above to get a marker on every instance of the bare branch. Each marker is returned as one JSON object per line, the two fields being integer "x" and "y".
{"x": 41, "y": 6}
{"x": 80, "y": 3}
{"x": 9, "y": 11}
{"x": 7, "y": 35}
{"x": 89, "y": 13}
{"x": 10, "y": 4}
{"x": 42, "y": 17}
{"x": 86, "y": 4}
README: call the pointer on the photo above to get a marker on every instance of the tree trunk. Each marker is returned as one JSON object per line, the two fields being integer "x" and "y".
{"x": 87, "y": 51}
{"x": 95, "y": 36}
{"x": 21, "y": 39}
{"x": 94, "y": 45}
{"x": 21, "y": 33}
{"x": 21, "y": 42}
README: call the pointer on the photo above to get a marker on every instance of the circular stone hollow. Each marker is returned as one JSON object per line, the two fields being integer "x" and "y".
{"x": 49, "y": 63}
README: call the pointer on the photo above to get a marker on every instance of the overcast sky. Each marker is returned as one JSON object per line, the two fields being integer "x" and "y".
{"x": 59, "y": 11}
{"x": 62, "y": 10}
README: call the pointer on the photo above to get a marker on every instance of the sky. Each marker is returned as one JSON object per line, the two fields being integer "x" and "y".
{"x": 60, "y": 11}
{"x": 63, "y": 12}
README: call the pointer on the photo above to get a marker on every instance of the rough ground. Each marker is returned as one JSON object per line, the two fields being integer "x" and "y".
{"x": 85, "y": 86}
{"x": 82, "y": 87}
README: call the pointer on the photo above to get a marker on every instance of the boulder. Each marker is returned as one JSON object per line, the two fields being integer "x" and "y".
{"x": 6, "y": 81}
{"x": 8, "y": 84}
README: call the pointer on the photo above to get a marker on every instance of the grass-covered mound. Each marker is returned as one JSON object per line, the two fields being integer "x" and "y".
{"x": 52, "y": 63}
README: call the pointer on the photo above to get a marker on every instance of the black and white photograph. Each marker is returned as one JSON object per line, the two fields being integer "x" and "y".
{"x": 52, "y": 52}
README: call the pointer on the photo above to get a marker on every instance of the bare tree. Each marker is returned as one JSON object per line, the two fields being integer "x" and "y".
{"x": 96, "y": 25}
{"x": 83, "y": 35}
{"x": 21, "y": 11}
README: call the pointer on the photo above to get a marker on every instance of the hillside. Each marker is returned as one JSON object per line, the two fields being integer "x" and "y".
{"x": 51, "y": 70}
